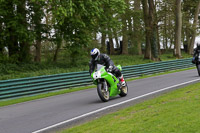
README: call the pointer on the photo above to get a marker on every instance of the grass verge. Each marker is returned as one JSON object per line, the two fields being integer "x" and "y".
{"x": 176, "y": 111}
{"x": 39, "y": 96}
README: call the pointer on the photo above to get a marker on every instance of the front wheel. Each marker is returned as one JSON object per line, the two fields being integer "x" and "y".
{"x": 198, "y": 68}
{"x": 124, "y": 90}
{"x": 103, "y": 93}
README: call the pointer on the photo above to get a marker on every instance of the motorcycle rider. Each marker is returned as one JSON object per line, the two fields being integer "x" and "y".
{"x": 196, "y": 52}
{"x": 104, "y": 59}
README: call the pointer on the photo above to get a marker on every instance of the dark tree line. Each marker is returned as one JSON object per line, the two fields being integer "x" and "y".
{"x": 145, "y": 26}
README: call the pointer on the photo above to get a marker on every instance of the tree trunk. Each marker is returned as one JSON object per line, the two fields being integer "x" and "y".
{"x": 117, "y": 42}
{"x": 57, "y": 51}
{"x": 1, "y": 40}
{"x": 11, "y": 38}
{"x": 103, "y": 44}
{"x": 187, "y": 34}
{"x": 194, "y": 26}
{"x": 13, "y": 48}
{"x": 153, "y": 30}
{"x": 116, "y": 39}
{"x": 147, "y": 54}
{"x": 157, "y": 30}
{"x": 130, "y": 26}
{"x": 38, "y": 50}
{"x": 125, "y": 39}
{"x": 171, "y": 34}
{"x": 171, "y": 42}
{"x": 38, "y": 29}
{"x": 125, "y": 44}
{"x": 158, "y": 40}
{"x": 1, "y": 50}
{"x": 178, "y": 26}
{"x": 112, "y": 51}
{"x": 137, "y": 27}
{"x": 125, "y": 35}
{"x": 24, "y": 55}
{"x": 165, "y": 38}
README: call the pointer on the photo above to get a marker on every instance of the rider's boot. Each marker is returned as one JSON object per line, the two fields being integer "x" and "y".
{"x": 122, "y": 81}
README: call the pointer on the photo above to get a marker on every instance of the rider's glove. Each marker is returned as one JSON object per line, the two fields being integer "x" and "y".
{"x": 110, "y": 68}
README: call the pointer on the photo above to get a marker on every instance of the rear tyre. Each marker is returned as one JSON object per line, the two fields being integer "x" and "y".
{"x": 198, "y": 68}
{"x": 124, "y": 90}
{"x": 103, "y": 94}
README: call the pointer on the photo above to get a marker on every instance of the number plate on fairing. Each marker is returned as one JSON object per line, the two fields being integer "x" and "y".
{"x": 97, "y": 75}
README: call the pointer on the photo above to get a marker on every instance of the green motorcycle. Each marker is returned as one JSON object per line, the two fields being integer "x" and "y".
{"x": 107, "y": 84}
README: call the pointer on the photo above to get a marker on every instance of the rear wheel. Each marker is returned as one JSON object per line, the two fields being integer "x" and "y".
{"x": 103, "y": 94}
{"x": 124, "y": 90}
{"x": 198, "y": 68}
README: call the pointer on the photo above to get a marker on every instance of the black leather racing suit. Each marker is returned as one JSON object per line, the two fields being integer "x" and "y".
{"x": 196, "y": 51}
{"x": 104, "y": 60}
{"x": 195, "y": 55}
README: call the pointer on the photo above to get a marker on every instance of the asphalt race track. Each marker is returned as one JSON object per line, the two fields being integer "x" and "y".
{"x": 53, "y": 112}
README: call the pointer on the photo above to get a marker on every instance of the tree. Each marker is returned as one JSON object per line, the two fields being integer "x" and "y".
{"x": 147, "y": 54}
{"x": 124, "y": 30}
{"x": 10, "y": 31}
{"x": 178, "y": 26}
{"x": 110, "y": 21}
{"x": 23, "y": 38}
{"x": 103, "y": 44}
{"x": 16, "y": 35}
{"x": 111, "y": 44}
{"x": 153, "y": 30}
{"x": 74, "y": 24}
{"x": 137, "y": 26}
{"x": 38, "y": 8}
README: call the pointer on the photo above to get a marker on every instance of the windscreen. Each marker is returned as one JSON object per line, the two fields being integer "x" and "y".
{"x": 99, "y": 66}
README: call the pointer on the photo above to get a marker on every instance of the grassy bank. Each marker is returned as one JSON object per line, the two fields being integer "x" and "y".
{"x": 177, "y": 111}
{"x": 13, "y": 71}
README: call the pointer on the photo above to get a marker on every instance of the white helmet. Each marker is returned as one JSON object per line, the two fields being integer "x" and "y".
{"x": 95, "y": 53}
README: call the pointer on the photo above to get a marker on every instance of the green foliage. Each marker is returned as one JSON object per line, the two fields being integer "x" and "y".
{"x": 15, "y": 33}
{"x": 111, "y": 15}
{"x": 23, "y": 24}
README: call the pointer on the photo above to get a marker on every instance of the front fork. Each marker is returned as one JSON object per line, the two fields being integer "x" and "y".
{"x": 105, "y": 85}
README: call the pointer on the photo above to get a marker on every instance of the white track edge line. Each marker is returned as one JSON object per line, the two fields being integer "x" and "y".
{"x": 110, "y": 106}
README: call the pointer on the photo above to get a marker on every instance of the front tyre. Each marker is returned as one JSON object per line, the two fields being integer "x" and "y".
{"x": 124, "y": 90}
{"x": 103, "y": 94}
{"x": 198, "y": 68}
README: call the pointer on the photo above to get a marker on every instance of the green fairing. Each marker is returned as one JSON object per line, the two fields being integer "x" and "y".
{"x": 119, "y": 67}
{"x": 109, "y": 78}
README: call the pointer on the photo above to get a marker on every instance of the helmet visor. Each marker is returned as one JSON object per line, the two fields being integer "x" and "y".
{"x": 94, "y": 56}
